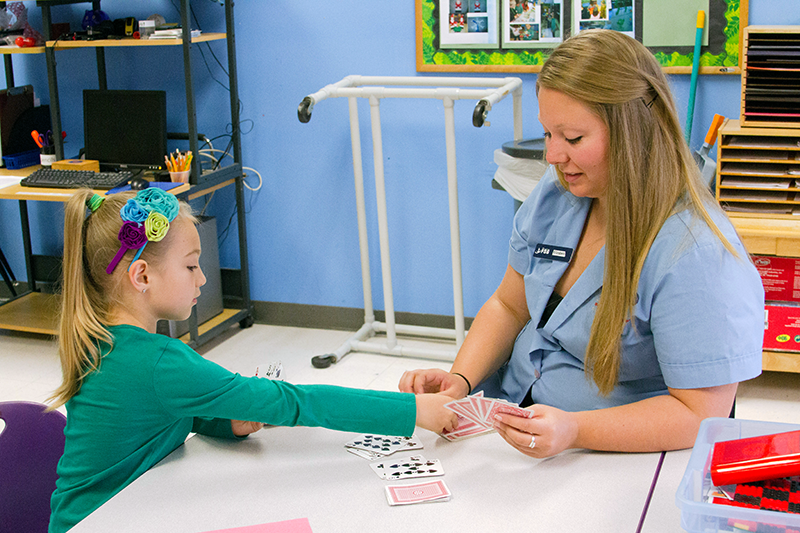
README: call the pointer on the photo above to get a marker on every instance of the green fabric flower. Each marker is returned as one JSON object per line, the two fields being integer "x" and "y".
{"x": 156, "y": 226}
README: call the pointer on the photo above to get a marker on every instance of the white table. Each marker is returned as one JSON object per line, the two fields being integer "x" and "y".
{"x": 287, "y": 473}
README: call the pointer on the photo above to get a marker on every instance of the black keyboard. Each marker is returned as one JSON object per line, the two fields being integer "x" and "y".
{"x": 75, "y": 179}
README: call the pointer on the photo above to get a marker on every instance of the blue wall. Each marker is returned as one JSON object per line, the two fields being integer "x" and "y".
{"x": 302, "y": 232}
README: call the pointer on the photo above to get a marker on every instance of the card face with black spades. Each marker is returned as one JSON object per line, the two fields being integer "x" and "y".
{"x": 364, "y": 454}
{"x": 406, "y": 468}
{"x": 383, "y": 444}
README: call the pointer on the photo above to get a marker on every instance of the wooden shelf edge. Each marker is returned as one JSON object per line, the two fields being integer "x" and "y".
{"x": 210, "y": 323}
{"x": 108, "y": 43}
{"x": 781, "y": 361}
{"x": 7, "y": 50}
{"x": 39, "y": 312}
{"x": 34, "y": 313}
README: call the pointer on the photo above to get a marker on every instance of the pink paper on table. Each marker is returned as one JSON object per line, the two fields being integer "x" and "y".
{"x": 298, "y": 525}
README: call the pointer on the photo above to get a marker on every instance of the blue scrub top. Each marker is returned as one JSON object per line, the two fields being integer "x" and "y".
{"x": 699, "y": 315}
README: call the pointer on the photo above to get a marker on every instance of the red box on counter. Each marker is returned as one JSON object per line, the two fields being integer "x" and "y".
{"x": 780, "y": 276}
{"x": 782, "y": 328}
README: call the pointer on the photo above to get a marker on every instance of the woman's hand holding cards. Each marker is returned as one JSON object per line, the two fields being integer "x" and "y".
{"x": 432, "y": 414}
{"x": 550, "y": 430}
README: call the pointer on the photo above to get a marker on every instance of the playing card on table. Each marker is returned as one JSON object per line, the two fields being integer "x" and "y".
{"x": 408, "y": 467}
{"x": 378, "y": 446}
{"x": 432, "y": 491}
{"x": 364, "y": 454}
{"x": 270, "y": 371}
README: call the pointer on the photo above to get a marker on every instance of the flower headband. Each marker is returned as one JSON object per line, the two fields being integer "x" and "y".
{"x": 146, "y": 218}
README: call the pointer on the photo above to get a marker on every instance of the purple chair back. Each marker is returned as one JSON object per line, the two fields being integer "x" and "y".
{"x": 30, "y": 446}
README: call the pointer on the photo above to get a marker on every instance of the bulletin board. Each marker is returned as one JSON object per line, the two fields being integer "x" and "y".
{"x": 446, "y": 42}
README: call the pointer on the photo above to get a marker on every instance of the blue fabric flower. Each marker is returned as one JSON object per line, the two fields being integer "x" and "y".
{"x": 133, "y": 211}
{"x": 155, "y": 199}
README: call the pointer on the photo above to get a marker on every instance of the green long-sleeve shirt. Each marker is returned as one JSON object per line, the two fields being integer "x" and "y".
{"x": 151, "y": 391}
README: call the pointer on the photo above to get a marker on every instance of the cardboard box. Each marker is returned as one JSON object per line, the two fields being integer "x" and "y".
{"x": 780, "y": 276}
{"x": 782, "y": 328}
{"x": 77, "y": 164}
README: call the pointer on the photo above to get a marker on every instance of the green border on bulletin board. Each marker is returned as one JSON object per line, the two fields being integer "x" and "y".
{"x": 677, "y": 61}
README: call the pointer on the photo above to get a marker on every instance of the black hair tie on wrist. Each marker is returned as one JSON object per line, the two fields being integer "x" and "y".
{"x": 469, "y": 385}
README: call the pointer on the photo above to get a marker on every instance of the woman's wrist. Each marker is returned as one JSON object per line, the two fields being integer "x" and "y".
{"x": 462, "y": 376}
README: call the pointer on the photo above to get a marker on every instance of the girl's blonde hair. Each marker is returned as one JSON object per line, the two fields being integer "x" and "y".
{"x": 651, "y": 171}
{"x": 88, "y": 294}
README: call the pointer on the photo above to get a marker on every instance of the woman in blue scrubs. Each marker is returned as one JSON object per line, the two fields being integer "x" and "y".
{"x": 629, "y": 310}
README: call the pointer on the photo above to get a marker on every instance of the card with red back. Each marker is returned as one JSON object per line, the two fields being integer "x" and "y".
{"x": 463, "y": 424}
{"x": 417, "y": 493}
{"x": 465, "y": 428}
{"x": 476, "y": 405}
{"x": 467, "y": 433}
{"x": 499, "y": 407}
{"x": 463, "y": 408}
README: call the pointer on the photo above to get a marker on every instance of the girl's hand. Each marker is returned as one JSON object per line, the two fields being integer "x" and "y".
{"x": 551, "y": 430}
{"x": 432, "y": 415}
{"x": 241, "y": 428}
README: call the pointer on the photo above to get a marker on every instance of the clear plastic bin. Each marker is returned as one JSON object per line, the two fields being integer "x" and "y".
{"x": 699, "y": 516}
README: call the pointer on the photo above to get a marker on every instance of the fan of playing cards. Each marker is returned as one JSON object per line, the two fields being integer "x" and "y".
{"x": 476, "y": 415}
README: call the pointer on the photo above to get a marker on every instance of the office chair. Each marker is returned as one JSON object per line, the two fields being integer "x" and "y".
{"x": 31, "y": 444}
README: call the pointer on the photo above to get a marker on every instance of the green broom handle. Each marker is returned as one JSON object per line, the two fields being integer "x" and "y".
{"x": 698, "y": 40}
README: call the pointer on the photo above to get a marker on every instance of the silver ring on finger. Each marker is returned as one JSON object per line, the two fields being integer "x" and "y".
{"x": 533, "y": 442}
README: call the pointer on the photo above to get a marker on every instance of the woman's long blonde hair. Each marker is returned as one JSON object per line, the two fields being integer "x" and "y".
{"x": 88, "y": 294}
{"x": 651, "y": 172}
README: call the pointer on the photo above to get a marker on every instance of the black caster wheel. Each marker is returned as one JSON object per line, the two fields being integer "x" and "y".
{"x": 304, "y": 110}
{"x": 246, "y": 322}
{"x": 323, "y": 361}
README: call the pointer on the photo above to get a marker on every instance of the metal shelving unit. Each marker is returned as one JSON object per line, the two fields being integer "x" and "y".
{"x": 201, "y": 183}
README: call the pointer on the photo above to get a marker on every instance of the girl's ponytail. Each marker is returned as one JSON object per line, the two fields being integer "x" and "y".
{"x": 83, "y": 305}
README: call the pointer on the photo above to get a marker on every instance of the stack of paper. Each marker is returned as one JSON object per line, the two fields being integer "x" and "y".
{"x": 176, "y": 33}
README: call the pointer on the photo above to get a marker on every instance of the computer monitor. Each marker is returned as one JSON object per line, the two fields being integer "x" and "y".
{"x": 125, "y": 129}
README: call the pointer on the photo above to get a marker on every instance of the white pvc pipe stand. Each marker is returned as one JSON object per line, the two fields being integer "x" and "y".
{"x": 353, "y": 87}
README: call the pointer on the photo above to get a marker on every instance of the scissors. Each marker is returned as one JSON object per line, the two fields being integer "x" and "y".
{"x": 38, "y": 138}
{"x": 42, "y": 139}
{"x": 45, "y": 139}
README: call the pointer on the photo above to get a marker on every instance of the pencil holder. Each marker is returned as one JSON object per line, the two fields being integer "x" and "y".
{"x": 179, "y": 165}
{"x": 180, "y": 177}
{"x": 47, "y": 155}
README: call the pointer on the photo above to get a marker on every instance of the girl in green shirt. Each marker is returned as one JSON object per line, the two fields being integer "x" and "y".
{"x": 133, "y": 396}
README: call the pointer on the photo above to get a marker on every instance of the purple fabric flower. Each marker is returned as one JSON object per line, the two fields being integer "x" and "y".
{"x": 131, "y": 236}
